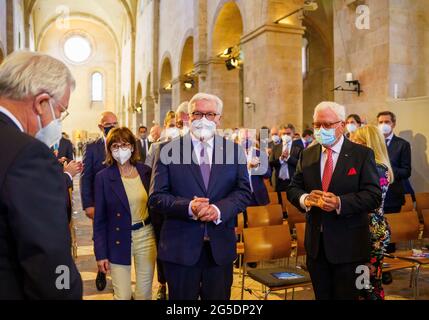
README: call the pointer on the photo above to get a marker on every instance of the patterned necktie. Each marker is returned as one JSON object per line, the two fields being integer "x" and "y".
{"x": 205, "y": 172}
{"x": 328, "y": 170}
{"x": 205, "y": 164}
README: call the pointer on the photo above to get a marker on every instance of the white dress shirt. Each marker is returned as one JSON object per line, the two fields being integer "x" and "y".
{"x": 389, "y": 139}
{"x": 336, "y": 150}
{"x": 198, "y": 145}
{"x": 284, "y": 168}
{"x": 12, "y": 117}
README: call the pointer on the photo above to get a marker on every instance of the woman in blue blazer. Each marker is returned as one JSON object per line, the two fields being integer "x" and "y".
{"x": 122, "y": 225}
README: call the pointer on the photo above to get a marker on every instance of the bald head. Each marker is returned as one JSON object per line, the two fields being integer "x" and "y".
{"x": 155, "y": 133}
{"x": 108, "y": 121}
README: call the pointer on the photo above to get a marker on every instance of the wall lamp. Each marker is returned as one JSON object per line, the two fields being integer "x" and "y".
{"x": 350, "y": 81}
{"x": 249, "y": 103}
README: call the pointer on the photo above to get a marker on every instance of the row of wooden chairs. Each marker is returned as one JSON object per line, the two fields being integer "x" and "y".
{"x": 405, "y": 228}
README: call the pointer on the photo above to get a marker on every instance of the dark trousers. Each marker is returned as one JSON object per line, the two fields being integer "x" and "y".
{"x": 205, "y": 280}
{"x": 159, "y": 265}
{"x": 332, "y": 281}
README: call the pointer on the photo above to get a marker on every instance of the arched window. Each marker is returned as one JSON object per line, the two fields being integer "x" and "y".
{"x": 305, "y": 57}
{"x": 97, "y": 86}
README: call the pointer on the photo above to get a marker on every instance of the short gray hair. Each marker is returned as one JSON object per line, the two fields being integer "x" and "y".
{"x": 27, "y": 74}
{"x": 339, "y": 109}
{"x": 208, "y": 97}
{"x": 182, "y": 108}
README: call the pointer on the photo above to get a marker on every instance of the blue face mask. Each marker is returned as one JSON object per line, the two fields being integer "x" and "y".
{"x": 326, "y": 137}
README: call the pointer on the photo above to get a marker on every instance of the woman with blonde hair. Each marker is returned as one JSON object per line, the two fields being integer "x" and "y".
{"x": 371, "y": 137}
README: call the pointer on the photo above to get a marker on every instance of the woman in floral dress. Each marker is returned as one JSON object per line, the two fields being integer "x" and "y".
{"x": 371, "y": 137}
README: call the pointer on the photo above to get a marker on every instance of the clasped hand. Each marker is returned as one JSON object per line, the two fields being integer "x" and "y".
{"x": 326, "y": 201}
{"x": 203, "y": 210}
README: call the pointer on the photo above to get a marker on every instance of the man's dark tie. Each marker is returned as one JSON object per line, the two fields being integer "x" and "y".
{"x": 205, "y": 164}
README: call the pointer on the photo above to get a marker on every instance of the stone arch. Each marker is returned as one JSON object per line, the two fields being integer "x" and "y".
{"x": 227, "y": 31}
{"x": 165, "y": 88}
{"x": 187, "y": 74}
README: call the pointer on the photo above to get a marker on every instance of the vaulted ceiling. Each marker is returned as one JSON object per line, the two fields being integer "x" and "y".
{"x": 111, "y": 13}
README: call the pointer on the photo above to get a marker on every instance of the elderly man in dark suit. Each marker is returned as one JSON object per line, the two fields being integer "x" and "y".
{"x": 336, "y": 184}
{"x": 200, "y": 183}
{"x": 35, "y": 255}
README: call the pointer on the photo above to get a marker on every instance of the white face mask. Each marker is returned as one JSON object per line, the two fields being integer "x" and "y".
{"x": 172, "y": 133}
{"x": 203, "y": 129}
{"x": 385, "y": 128}
{"x": 184, "y": 131}
{"x": 122, "y": 156}
{"x": 52, "y": 133}
{"x": 276, "y": 139}
{"x": 351, "y": 127}
{"x": 286, "y": 139}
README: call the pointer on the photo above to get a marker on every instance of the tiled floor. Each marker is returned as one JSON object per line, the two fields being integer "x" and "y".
{"x": 398, "y": 290}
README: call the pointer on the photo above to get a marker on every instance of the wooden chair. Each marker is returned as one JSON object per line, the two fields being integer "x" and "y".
{"x": 425, "y": 215}
{"x": 300, "y": 237}
{"x": 267, "y": 244}
{"x": 268, "y": 185}
{"x": 274, "y": 199}
{"x": 264, "y": 216}
{"x": 408, "y": 205}
{"x": 239, "y": 232}
{"x": 422, "y": 203}
{"x": 404, "y": 228}
{"x": 294, "y": 216}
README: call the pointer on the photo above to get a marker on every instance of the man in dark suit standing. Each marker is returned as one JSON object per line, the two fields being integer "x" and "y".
{"x": 400, "y": 157}
{"x": 94, "y": 154}
{"x": 143, "y": 144}
{"x": 284, "y": 159}
{"x": 64, "y": 149}
{"x": 200, "y": 183}
{"x": 35, "y": 255}
{"x": 336, "y": 184}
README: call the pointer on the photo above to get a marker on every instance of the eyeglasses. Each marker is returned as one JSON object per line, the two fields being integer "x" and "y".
{"x": 209, "y": 115}
{"x": 123, "y": 146}
{"x": 64, "y": 112}
{"x": 326, "y": 125}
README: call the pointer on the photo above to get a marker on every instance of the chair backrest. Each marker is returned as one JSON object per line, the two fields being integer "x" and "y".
{"x": 285, "y": 201}
{"x": 294, "y": 216}
{"x": 268, "y": 185}
{"x": 240, "y": 224}
{"x": 404, "y": 226}
{"x": 274, "y": 199}
{"x": 270, "y": 215}
{"x": 267, "y": 243}
{"x": 409, "y": 204}
{"x": 300, "y": 236}
{"x": 422, "y": 202}
{"x": 425, "y": 214}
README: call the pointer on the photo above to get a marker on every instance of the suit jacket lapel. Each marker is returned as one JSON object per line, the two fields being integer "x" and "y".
{"x": 341, "y": 166}
{"x": 317, "y": 157}
{"x": 118, "y": 186}
{"x": 194, "y": 167}
{"x": 216, "y": 165}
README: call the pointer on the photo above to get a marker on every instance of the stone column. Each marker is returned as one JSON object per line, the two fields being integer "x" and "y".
{"x": 273, "y": 75}
{"x": 226, "y": 85}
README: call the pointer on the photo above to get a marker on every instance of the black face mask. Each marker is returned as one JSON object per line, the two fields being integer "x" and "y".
{"x": 107, "y": 130}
